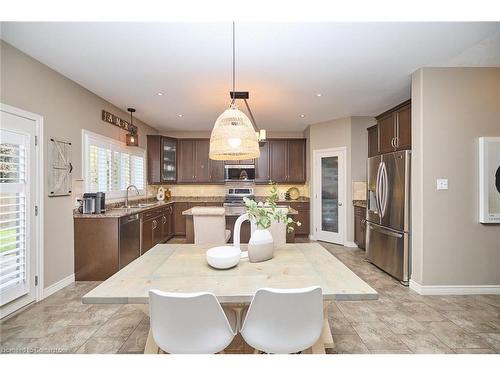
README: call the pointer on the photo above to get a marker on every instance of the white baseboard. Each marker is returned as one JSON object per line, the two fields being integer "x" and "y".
{"x": 430, "y": 290}
{"x": 57, "y": 286}
{"x": 350, "y": 244}
{"x": 312, "y": 238}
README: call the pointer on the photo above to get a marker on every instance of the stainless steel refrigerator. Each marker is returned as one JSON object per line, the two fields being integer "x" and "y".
{"x": 388, "y": 213}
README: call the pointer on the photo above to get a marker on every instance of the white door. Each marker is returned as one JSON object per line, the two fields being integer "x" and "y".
{"x": 329, "y": 195}
{"x": 17, "y": 211}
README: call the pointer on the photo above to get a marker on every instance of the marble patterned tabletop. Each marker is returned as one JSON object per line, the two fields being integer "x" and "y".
{"x": 183, "y": 268}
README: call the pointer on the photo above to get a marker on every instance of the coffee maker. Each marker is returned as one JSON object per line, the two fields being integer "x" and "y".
{"x": 93, "y": 203}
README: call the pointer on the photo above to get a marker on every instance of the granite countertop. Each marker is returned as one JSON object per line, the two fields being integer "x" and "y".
{"x": 239, "y": 210}
{"x": 117, "y": 212}
{"x": 361, "y": 204}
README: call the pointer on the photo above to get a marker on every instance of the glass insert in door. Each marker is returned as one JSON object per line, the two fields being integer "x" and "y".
{"x": 330, "y": 194}
{"x": 169, "y": 162}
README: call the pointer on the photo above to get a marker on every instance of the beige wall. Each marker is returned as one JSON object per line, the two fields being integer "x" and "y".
{"x": 349, "y": 132}
{"x": 67, "y": 108}
{"x": 451, "y": 108}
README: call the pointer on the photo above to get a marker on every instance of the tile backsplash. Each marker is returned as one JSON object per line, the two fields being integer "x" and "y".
{"x": 219, "y": 190}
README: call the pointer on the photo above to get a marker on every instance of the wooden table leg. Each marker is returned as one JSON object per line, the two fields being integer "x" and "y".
{"x": 325, "y": 341}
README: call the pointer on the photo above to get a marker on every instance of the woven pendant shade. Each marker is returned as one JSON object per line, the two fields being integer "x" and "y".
{"x": 233, "y": 137}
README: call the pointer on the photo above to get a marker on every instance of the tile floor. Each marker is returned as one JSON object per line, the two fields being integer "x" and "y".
{"x": 400, "y": 321}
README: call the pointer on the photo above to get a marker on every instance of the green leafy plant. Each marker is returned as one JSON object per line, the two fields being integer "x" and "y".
{"x": 263, "y": 214}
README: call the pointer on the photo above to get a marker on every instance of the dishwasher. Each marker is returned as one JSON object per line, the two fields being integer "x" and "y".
{"x": 130, "y": 239}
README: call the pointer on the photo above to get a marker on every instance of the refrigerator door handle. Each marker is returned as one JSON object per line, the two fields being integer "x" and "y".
{"x": 385, "y": 185}
{"x": 377, "y": 190}
{"x": 384, "y": 231}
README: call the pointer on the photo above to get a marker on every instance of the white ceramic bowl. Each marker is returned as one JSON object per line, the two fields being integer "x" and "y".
{"x": 223, "y": 257}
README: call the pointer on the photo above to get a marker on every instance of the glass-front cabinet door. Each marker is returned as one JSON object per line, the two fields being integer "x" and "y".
{"x": 168, "y": 159}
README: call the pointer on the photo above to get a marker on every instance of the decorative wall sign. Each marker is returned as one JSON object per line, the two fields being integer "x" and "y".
{"x": 115, "y": 120}
{"x": 489, "y": 180}
{"x": 59, "y": 167}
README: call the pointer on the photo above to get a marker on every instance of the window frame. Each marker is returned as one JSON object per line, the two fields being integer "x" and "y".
{"x": 89, "y": 138}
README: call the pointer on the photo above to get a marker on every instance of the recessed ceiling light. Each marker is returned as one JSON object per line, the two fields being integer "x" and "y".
{"x": 180, "y": 115}
{"x": 159, "y": 93}
{"x": 319, "y": 94}
{"x": 302, "y": 116}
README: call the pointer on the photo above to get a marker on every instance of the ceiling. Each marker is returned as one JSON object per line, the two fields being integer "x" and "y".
{"x": 361, "y": 69}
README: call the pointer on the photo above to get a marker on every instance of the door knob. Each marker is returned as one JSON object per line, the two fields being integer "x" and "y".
{"x": 340, "y": 203}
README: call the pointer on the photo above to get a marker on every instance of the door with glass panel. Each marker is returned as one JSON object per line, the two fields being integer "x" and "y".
{"x": 329, "y": 218}
{"x": 17, "y": 210}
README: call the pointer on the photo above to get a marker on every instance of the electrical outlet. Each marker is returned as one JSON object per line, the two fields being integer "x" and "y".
{"x": 442, "y": 184}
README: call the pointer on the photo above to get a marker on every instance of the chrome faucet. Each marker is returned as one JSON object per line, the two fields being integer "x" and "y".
{"x": 126, "y": 196}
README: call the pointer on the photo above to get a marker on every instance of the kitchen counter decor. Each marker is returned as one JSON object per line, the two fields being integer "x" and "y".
{"x": 261, "y": 244}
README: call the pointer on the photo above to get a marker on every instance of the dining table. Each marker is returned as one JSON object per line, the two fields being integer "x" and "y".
{"x": 183, "y": 268}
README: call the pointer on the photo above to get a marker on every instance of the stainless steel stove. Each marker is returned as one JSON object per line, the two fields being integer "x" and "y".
{"x": 235, "y": 195}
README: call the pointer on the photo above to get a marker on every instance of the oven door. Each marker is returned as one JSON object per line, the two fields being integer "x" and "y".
{"x": 239, "y": 173}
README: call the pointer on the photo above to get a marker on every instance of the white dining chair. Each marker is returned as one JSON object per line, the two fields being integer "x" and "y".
{"x": 189, "y": 323}
{"x": 284, "y": 320}
{"x": 210, "y": 226}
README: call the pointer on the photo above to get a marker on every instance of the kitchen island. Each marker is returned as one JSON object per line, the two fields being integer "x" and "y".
{"x": 232, "y": 213}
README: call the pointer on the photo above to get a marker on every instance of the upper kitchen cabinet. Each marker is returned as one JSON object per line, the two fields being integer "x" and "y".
{"x": 394, "y": 129}
{"x": 186, "y": 155}
{"x": 162, "y": 159}
{"x": 373, "y": 141}
{"x": 262, "y": 174}
{"x": 287, "y": 160}
{"x": 194, "y": 164}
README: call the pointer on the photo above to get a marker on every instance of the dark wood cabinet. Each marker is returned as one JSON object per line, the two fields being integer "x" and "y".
{"x": 359, "y": 226}
{"x": 287, "y": 160}
{"x": 262, "y": 174}
{"x": 386, "y": 133}
{"x": 186, "y": 155}
{"x": 201, "y": 161}
{"x": 179, "y": 219}
{"x": 303, "y": 216}
{"x": 403, "y": 123}
{"x": 373, "y": 141}
{"x": 296, "y": 163}
{"x": 278, "y": 160}
{"x": 162, "y": 159}
{"x": 195, "y": 165}
{"x": 147, "y": 235}
{"x": 394, "y": 129}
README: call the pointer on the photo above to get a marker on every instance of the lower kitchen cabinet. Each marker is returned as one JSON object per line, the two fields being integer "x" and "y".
{"x": 157, "y": 226}
{"x": 359, "y": 226}
{"x": 104, "y": 245}
{"x": 303, "y": 217}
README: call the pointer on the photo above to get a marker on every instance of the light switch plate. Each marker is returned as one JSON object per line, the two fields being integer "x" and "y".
{"x": 442, "y": 184}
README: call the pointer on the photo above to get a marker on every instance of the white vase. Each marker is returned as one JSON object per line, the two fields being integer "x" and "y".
{"x": 260, "y": 246}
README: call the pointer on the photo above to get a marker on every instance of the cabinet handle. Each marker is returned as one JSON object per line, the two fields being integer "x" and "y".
{"x": 164, "y": 220}
{"x": 155, "y": 224}
{"x": 396, "y": 141}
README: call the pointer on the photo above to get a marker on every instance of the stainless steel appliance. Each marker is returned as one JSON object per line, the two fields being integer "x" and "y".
{"x": 234, "y": 195}
{"x": 99, "y": 205}
{"x": 130, "y": 239}
{"x": 388, "y": 213}
{"x": 239, "y": 172}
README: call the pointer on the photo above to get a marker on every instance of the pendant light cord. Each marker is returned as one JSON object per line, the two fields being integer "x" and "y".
{"x": 234, "y": 63}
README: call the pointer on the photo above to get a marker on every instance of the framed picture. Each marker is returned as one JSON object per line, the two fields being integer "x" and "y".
{"x": 489, "y": 180}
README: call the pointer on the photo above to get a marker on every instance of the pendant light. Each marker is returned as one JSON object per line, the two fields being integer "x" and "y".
{"x": 233, "y": 136}
{"x": 132, "y": 137}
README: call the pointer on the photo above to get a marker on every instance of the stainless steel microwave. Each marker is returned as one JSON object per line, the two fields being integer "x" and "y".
{"x": 239, "y": 172}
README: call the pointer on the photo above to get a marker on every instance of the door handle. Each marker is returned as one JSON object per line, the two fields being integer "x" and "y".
{"x": 385, "y": 231}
